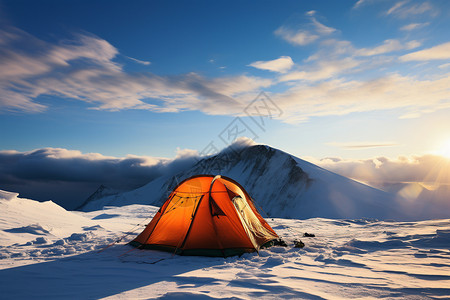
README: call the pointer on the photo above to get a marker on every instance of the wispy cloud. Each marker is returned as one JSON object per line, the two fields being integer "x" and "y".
{"x": 397, "y": 6}
{"x": 341, "y": 97}
{"x": 339, "y": 57}
{"x": 321, "y": 28}
{"x": 414, "y": 26}
{"x": 434, "y": 53}
{"x": 328, "y": 82}
{"x": 281, "y": 65}
{"x": 322, "y": 85}
{"x": 84, "y": 69}
{"x": 305, "y": 33}
{"x": 387, "y": 47}
{"x": 362, "y": 145}
{"x": 24, "y": 57}
{"x": 142, "y": 62}
{"x": 323, "y": 69}
{"x": 405, "y": 9}
{"x": 296, "y": 37}
{"x": 360, "y": 3}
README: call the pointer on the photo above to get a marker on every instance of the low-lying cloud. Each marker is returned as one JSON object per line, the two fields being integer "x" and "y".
{"x": 68, "y": 177}
{"x": 420, "y": 183}
{"x": 430, "y": 169}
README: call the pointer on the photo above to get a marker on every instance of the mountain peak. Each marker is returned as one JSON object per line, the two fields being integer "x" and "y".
{"x": 281, "y": 184}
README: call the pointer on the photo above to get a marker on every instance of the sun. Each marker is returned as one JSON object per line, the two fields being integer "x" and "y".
{"x": 445, "y": 149}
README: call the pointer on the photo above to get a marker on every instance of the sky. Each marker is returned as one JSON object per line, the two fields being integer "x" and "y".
{"x": 348, "y": 80}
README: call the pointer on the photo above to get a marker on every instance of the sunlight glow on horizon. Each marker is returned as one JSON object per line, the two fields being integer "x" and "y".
{"x": 444, "y": 149}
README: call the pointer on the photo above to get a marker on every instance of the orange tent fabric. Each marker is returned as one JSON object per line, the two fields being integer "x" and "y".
{"x": 207, "y": 215}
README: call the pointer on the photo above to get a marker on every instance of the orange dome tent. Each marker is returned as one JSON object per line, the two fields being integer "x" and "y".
{"x": 207, "y": 215}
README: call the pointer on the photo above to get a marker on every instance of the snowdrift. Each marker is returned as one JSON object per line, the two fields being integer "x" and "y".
{"x": 35, "y": 229}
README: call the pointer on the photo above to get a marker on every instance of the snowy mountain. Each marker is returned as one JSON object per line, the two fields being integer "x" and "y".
{"x": 281, "y": 184}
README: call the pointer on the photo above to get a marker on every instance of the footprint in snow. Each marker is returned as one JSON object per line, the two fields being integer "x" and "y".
{"x": 273, "y": 262}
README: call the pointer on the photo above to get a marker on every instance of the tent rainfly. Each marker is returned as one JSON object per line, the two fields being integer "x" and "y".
{"x": 208, "y": 216}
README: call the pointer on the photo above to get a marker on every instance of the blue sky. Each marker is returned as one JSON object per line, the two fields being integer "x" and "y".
{"x": 351, "y": 79}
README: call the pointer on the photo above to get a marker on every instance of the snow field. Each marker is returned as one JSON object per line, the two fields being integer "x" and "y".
{"x": 54, "y": 254}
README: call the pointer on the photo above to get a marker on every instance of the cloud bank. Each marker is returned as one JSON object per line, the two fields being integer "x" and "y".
{"x": 421, "y": 183}
{"x": 430, "y": 169}
{"x": 68, "y": 177}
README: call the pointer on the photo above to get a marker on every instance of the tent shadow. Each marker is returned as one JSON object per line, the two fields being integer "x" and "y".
{"x": 95, "y": 275}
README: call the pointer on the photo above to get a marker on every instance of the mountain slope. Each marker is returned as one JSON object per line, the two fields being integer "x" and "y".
{"x": 102, "y": 192}
{"x": 281, "y": 184}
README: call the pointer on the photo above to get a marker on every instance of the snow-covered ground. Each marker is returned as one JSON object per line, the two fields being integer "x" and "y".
{"x": 49, "y": 253}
